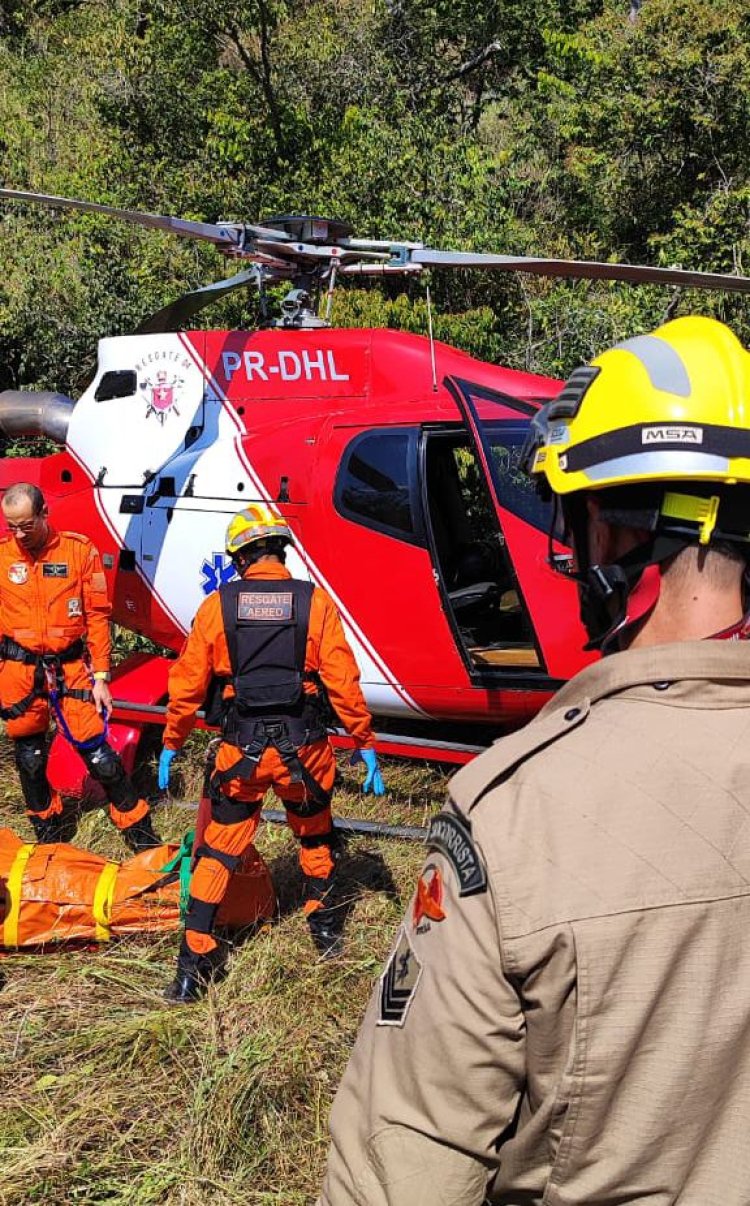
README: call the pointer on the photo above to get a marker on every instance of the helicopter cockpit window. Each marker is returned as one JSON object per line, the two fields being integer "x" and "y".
{"x": 117, "y": 383}
{"x": 376, "y": 483}
{"x": 515, "y": 489}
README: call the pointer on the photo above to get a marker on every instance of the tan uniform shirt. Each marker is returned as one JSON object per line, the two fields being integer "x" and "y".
{"x": 565, "y": 1015}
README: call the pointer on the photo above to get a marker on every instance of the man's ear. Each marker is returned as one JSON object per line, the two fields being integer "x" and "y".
{"x": 608, "y": 542}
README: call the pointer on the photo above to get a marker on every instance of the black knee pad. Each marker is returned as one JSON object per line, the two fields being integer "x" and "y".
{"x": 105, "y": 765}
{"x": 309, "y": 807}
{"x": 225, "y": 811}
{"x": 31, "y": 763}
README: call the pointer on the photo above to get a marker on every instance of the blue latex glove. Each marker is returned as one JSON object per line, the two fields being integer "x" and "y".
{"x": 165, "y": 761}
{"x": 373, "y": 779}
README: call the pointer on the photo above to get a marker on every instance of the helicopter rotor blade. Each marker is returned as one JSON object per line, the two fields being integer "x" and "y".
{"x": 228, "y": 236}
{"x": 176, "y": 314}
{"x": 277, "y": 251}
{"x": 639, "y": 274}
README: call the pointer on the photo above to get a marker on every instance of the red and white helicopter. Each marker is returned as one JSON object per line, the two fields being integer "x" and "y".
{"x": 394, "y": 459}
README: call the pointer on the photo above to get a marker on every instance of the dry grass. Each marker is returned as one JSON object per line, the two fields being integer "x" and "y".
{"x": 109, "y": 1095}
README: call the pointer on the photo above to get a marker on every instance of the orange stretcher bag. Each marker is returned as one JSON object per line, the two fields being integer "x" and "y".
{"x": 58, "y": 893}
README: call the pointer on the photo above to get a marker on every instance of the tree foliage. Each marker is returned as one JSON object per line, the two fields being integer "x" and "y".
{"x": 537, "y": 126}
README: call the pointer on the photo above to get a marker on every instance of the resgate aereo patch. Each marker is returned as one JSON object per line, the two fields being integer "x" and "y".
{"x": 398, "y": 983}
{"x": 268, "y": 607}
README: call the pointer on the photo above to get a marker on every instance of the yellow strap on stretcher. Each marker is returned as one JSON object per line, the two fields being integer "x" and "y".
{"x": 13, "y": 886}
{"x": 103, "y": 897}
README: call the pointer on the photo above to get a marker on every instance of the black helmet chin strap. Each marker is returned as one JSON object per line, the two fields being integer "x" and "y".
{"x": 615, "y": 597}
{"x": 676, "y": 515}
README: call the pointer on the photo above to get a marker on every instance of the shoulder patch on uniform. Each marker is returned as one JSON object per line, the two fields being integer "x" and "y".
{"x": 398, "y": 983}
{"x": 18, "y": 573}
{"x": 497, "y": 763}
{"x": 451, "y": 836}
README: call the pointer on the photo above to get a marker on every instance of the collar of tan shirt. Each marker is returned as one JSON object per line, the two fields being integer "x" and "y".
{"x": 685, "y": 669}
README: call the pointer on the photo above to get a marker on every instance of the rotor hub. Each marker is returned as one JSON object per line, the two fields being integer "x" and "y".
{"x": 297, "y": 311}
{"x": 303, "y": 228}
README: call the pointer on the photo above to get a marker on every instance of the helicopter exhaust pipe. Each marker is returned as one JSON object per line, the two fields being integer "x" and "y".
{"x": 35, "y": 413}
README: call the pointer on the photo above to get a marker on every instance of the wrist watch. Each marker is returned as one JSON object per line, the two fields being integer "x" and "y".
{"x": 102, "y": 676}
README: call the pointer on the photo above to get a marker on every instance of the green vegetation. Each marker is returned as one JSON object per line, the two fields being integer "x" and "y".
{"x": 107, "y": 1094}
{"x": 539, "y": 127}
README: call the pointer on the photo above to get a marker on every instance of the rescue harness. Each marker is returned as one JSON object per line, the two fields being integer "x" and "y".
{"x": 49, "y": 682}
{"x": 266, "y": 625}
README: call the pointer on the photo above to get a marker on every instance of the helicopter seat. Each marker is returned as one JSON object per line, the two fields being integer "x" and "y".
{"x": 467, "y": 597}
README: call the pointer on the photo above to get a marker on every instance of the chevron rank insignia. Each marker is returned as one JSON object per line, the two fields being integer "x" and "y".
{"x": 398, "y": 983}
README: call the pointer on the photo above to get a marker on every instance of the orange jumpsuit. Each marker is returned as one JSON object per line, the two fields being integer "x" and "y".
{"x": 235, "y": 817}
{"x": 48, "y": 601}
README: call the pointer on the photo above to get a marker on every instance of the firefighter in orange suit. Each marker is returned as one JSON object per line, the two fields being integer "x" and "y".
{"x": 272, "y": 642}
{"x": 54, "y": 655}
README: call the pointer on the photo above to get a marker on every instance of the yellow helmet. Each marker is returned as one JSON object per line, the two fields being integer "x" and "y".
{"x": 670, "y": 406}
{"x": 256, "y": 522}
{"x": 660, "y": 424}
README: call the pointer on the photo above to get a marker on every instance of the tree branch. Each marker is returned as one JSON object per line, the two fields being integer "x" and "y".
{"x": 262, "y": 73}
{"x": 470, "y": 65}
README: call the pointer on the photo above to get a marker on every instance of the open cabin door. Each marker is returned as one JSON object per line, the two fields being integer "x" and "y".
{"x": 486, "y": 524}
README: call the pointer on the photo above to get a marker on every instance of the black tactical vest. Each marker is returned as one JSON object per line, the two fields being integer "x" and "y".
{"x": 266, "y": 625}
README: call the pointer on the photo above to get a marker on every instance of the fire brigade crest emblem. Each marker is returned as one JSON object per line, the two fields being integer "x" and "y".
{"x": 18, "y": 573}
{"x": 162, "y": 394}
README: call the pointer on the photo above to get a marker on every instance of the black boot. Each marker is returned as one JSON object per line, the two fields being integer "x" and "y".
{"x": 194, "y": 974}
{"x": 141, "y": 836}
{"x": 48, "y": 830}
{"x": 326, "y": 928}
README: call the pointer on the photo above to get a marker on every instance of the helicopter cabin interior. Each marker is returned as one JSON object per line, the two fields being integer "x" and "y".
{"x": 469, "y": 549}
{"x": 427, "y": 486}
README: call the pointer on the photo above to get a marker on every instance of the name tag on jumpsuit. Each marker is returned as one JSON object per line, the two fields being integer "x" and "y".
{"x": 54, "y": 569}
